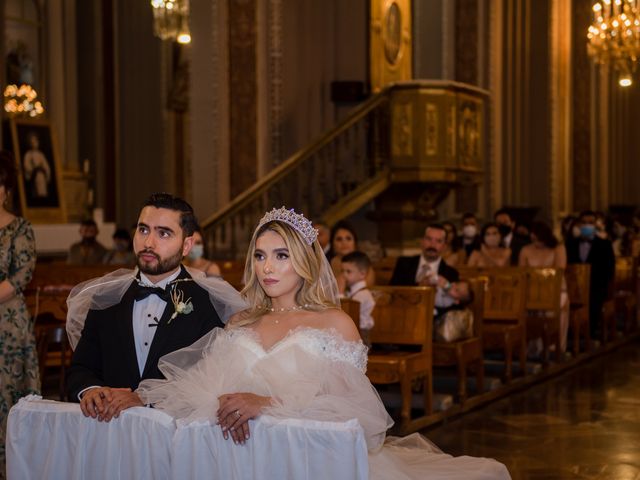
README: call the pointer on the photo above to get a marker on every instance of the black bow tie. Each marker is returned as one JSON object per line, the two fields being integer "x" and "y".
{"x": 141, "y": 292}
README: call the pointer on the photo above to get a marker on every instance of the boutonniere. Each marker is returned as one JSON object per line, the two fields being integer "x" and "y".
{"x": 180, "y": 305}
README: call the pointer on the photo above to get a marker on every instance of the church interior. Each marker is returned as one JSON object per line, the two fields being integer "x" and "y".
{"x": 381, "y": 120}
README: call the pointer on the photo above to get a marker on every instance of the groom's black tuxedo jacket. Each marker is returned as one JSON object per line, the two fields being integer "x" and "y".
{"x": 106, "y": 353}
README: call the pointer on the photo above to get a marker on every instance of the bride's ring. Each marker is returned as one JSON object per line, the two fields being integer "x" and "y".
{"x": 238, "y": 414}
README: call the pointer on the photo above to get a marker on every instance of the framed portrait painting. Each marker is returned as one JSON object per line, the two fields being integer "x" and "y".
{"x": 39, "y": 172}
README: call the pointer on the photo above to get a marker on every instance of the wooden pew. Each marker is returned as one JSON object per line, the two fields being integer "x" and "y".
{"x": 467, "y": 352}
{"x": 403, "y": 317}
{"x": 578, "y": 278}
{"x": 543, "y": 307}
{"x": 384, "y": 270}
{"x": 625, "y": 291}
{"x": 504, "y": 312}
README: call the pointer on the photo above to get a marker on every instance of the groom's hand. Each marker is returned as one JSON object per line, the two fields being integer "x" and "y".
{"x": 94, "y": 402}
{"x": 121, "y": 399}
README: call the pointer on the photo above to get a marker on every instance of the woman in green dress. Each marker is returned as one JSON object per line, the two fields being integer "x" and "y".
{"x": 18, "y": 358}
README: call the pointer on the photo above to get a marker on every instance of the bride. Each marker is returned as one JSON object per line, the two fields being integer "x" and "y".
{"x": 294, "y": 354}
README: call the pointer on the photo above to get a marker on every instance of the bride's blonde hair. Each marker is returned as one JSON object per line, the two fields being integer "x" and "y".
{"x": 307, "y": 261}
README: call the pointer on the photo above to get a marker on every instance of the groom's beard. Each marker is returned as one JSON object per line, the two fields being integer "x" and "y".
{"x": 163, "y": 265}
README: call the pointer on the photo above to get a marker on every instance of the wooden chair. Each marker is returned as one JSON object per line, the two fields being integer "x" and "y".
{"x": 48, "y": 308}
{"x": 504, "y": 312}
{"x": 54, "y": 351}
{"x": 232, "y": 271}
{"x": 625, "y": 291}
{"x": 467, "y": 352}
{"x": 352, "y": 308}
{"x": 543, "y": 307}
{"x": 578, "y": 276}
{"x": 403, "y": 317}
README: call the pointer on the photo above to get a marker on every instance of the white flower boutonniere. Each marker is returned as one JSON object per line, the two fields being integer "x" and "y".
{"x": 180, "y": 305}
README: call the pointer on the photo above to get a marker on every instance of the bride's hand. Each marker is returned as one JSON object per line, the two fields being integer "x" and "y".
{"x": 235, "y": 411}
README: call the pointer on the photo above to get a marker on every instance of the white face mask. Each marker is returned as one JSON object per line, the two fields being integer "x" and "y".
{"x": 469, "y": 231}
{"x": 196, "y": 252}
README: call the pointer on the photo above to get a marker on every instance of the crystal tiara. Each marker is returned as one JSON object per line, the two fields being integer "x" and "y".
{"x": 296, "y": 220}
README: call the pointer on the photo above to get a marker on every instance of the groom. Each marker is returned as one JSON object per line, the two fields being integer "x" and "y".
{"x": 121, "y": 345}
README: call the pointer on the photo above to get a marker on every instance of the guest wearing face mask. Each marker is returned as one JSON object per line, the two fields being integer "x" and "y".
{"x": 195, "y": 258}
{"x": 470, "y": 236}
{"x": 510, "y": 239}
{"x": 597, "y": 252}
{"x": 491, "y": 253}
{"x": 122, "y": 253}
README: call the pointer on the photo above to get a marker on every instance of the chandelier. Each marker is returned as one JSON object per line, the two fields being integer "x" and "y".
{"x": 171, "y": 20}
{"x": 614, "y": 37}
{"x": 22, "y": 101}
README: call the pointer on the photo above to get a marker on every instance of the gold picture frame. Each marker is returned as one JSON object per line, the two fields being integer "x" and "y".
{"x": 390, "y": 42}
{"x": 39, "y": 171}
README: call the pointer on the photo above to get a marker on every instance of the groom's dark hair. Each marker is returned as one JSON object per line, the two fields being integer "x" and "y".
{"x": 188, "y": 220}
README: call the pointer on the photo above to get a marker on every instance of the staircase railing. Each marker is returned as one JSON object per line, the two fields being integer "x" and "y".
{"x": 313, "y": 180}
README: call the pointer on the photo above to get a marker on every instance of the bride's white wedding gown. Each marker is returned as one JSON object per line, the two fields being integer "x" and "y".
{"x": 314, "y": 374}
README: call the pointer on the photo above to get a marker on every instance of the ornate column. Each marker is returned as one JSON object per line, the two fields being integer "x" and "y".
{"x": 243, "y": 90}
{"x": 209, "y": 107}
{"x": 561, "y": 92}
{"x": 582, "y": 108}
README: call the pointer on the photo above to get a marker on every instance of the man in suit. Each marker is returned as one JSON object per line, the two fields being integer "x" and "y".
{"x": 597, "y": 252}
{"x": 427, "y": 269}
{"x": 121, "y": 345}
{"x": 510, "y": 239}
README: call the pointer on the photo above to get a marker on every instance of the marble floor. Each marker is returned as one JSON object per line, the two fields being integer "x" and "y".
{"x": 584, "y": 424}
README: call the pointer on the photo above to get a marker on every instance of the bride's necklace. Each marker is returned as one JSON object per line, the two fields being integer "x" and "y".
{"x": 295, "y": 308}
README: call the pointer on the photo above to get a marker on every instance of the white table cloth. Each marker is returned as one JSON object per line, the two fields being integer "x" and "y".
{"x": 53, "y": 440}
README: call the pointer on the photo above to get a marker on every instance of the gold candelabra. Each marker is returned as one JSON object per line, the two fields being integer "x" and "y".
{"x": 171, "y": 20}
{"x": 614, "y": 37}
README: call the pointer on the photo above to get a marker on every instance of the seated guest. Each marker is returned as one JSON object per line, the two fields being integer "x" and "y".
{"x": 453, "y": 252}
{"x": 597, "y": 252}
{"x": 623, "y": 238}
{"x": 568, "y": 228}
{"x": 124, "y": 322}
{"x": 470, "y": 233}
{"x": 355, "y": 267}
{"x": 195, "y": 258}
{"x": 121, "y": 254}
{"x": 491, "y": 253}
{"x": 425, "y": 269}
{"x": 510, "y": 238}
{"x": 88, "y": 251}
{"x": 545, "y": 251}
{"x": 344, "y": 241}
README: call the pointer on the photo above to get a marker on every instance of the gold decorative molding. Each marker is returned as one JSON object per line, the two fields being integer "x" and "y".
{"x": 437, "y": 131}
{"x": 390, "y": 42}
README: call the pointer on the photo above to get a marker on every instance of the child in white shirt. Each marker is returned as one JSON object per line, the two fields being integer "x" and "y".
{"x": 355, "y": 267}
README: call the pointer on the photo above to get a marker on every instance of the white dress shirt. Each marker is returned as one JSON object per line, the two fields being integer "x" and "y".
{"x": 426, "y": 268}
{"x": 146, "y": 315}
{"x": 360, "y": 293}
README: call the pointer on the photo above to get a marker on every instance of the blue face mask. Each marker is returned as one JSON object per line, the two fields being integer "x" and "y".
{"x": 196, "y": 252}
{"x": 587, "y": 231}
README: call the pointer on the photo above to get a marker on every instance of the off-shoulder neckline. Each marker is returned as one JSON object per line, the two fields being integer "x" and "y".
{"x": 255, "y": 336}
